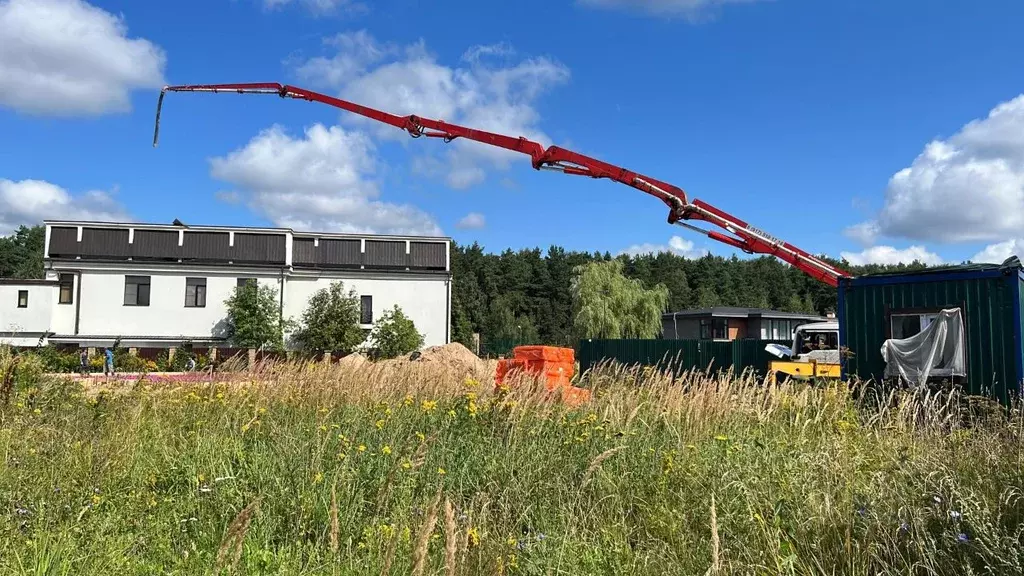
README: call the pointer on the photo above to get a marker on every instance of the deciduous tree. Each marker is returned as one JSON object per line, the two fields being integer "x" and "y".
{"x": 607, "y": 304}
{"x": 330, "y": 322}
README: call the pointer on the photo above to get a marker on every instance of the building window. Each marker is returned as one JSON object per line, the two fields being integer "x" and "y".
{"x": 907, "y": 325}
{"x": 366, "y": 309}
{"x": 67, "y": 289}
{"x": 777, "y": 329}
{"x": 22, "y": 298}
{"x": 195, "y": 292}
{"x": 244, "y": 281}
{"x": 714, "y": 329}
{"x": 136, "y": 290}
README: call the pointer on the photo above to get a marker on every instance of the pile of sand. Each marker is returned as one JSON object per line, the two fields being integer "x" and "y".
{"x": 354, "y": 360}
{"x": 454, "y": 358}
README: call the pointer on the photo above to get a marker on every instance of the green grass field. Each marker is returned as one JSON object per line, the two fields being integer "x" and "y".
{"x": 414, "y": 470}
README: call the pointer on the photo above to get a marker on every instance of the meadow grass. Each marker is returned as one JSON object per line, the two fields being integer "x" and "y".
{"x": 317, "y": 469}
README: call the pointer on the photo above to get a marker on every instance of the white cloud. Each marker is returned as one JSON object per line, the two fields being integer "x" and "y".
{"x": 322, "y": 181}
{"x": 999, "y": 252}
{"x": 29, "y": 202}
{"x": 965, "y": 189}
{"x": 891, "y": 255}
{"x": 486, "y": 91}
{"x": 690, "y": 9}
{"x": 67, "y": 57}
{"x": 676, "y": 245}
{"x": 471, "y": 221}
{"x": 319, "y": 7}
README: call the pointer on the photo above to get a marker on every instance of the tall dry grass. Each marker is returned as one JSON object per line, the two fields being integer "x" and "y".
{"x": 399, "y": 469}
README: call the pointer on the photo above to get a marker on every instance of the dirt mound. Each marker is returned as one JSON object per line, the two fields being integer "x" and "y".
{"x": 355, "y": 359}
{"x": 453, "y": 358}
{"x": 453, "y": 354}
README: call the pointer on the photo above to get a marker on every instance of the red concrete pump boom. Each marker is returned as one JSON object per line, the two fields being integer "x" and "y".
{"x": 681, "y": 209}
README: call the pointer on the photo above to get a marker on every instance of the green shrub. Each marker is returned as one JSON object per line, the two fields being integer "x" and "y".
{"x": 394, "y": 334}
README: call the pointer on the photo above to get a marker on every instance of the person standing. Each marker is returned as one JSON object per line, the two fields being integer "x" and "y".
{"x": 108, "y": 366}
{"x": 83, "y": 362}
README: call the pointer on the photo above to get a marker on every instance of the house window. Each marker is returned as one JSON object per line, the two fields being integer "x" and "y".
{"x": 22, "y": 298}
{"x": 136, "y": 290}
{"x": 195, "y": 292}
{"x": 243, "y": 281}
{"x": 777, "y": 329}
{"x": 67, "y": 289}
{"x": 366, "y": 309}
{"x": 714, "y": 329}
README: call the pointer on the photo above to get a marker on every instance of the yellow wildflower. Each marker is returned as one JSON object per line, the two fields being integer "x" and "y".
{"x": 428, "y": 405}
{"x": 441, "y": 471}
{"x": 379, "y": 424}
{"x": 385, "y": 450}
{"x": 362, "y": 448}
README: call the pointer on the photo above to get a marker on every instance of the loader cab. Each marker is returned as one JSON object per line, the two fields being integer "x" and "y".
{"x": 816, "y": 341}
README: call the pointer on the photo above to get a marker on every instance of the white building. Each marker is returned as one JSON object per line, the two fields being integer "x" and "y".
{"x": 154, "y": 286}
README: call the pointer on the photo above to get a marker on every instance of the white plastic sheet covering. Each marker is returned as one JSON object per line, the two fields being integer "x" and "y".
{"x": 937, "y": 350}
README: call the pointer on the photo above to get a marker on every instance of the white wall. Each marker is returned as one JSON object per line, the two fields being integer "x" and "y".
{"x": 103, "y": 311}
{"x": 29, "y": 322}
{"x": 423, "y": 300}
{"x": 63, "y": 321}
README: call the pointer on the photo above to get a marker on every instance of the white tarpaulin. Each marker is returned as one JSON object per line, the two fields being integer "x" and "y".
{"x": 937, "y": 350}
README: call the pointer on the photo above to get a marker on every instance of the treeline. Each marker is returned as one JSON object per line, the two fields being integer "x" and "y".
{"x": 525, "y": 295}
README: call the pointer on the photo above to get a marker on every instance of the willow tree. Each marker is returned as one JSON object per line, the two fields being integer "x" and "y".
{"x": 607, "y": 304}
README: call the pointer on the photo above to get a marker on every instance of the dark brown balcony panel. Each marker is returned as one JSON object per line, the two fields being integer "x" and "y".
{"x": 337, "y": 253}
{"x": 155, "y": 245}
{"x": 206, "y": 246}
{"x": 105, "y": 243}
{"x": 64, "y": 242}
{"x": 258, "y": 248}
{"x": 303, "y": 252}
{"x": 427, "y": 255}
{"x": 386, "y": 254}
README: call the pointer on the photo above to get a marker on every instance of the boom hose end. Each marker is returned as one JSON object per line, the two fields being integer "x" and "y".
{"x": 159, "y": 105}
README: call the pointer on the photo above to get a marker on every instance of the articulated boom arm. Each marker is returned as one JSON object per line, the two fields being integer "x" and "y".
{"x": 743, "y": 235}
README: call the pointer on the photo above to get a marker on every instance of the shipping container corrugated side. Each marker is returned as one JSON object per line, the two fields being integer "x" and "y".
{"x": 990, "y": 298}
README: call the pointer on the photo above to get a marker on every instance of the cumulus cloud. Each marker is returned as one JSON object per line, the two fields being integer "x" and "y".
{"x": 321, "y": 181}
{"x": 965, "y": 189}
{"x": 676, "y": 245}
{"x": 488, "y": 90}
{"x": 68, "y": 57}
{"x": 891, "y": 255}
{"x": 29, "y": 202}
{"x": 319, "y": 7}
{"x": 997, "y": 253}
{"x": 690, "y": 9}
{"x": 472, "y": 221}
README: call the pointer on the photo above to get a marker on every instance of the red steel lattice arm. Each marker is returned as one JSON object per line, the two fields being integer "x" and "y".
{"x": 743, "y": 236}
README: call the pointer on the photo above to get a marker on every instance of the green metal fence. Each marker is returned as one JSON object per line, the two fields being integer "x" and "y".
{"x": 494, "y": 348}
{"x": 679, "y": 355}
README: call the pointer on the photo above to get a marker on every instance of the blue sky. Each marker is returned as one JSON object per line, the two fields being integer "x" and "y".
{"x": 878, "y": 130}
